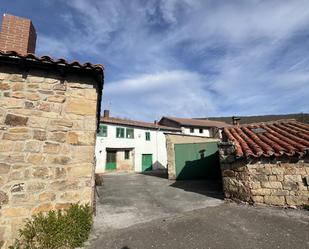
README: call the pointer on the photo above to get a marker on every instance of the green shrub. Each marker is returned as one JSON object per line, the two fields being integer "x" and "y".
{"x": 56, "y": 229}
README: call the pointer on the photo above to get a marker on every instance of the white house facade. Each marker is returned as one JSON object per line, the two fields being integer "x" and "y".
{"x": 126, "y": 145}
{"x": 195, "y": 127}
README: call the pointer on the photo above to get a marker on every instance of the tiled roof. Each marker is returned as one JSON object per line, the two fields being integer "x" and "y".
{"x": 50, "y": 61}
{"x": 283, "y": 137}
{"x": 197, "y": 122}
{"x": 128, "y": 122}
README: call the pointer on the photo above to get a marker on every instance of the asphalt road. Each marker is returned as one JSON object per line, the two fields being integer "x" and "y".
{"x": 141, "y": 212}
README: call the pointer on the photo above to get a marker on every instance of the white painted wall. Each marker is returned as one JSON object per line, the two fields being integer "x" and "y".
{"x": 206, "y": 132}
{"x": 156, "y": 146}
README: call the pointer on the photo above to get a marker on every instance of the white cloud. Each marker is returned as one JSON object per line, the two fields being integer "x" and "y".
{"x": 159, "y": 54}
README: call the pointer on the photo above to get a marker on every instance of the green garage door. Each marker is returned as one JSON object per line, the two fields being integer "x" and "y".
{"x": 197, "y": 161}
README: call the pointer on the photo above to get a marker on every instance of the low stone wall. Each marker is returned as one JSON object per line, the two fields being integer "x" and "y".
{"x": 272, "y": 182}
{"x": 47, "y": 136}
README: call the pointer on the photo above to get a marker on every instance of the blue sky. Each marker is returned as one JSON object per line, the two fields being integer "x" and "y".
{"x": 186, "y": 58}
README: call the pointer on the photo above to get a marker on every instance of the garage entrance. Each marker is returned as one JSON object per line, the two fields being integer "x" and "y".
{"x": 197, "y": 161}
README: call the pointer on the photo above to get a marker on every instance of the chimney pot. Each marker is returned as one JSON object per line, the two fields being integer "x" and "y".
{"x": 106, "y": 114}
{"x": 236, "y": 120}
{"x": 17, "y": 34}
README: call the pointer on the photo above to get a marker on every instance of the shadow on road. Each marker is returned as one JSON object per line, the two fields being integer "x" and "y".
{"x": 211, "y": 188}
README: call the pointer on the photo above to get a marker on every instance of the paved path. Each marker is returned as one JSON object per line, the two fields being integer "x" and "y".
{"x": 139, "y": 212}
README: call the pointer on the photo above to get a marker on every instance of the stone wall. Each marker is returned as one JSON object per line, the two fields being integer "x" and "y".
{"x": 47, "y": 136}
{"x": 283, "y": 182}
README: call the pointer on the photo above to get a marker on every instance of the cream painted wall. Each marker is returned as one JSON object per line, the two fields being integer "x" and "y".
{"x": 206, "y": 132}
{"x": 156, "y": 146}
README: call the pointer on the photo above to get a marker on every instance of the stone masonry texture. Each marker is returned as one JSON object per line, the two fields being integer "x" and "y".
{"x": 47, "y": 135}
{"x": 280, "y": 182}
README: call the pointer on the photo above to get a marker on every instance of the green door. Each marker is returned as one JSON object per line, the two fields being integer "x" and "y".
{"x": 146, "y": 162}
{"x": 110, "y": 160}
{"x": 197, "y": 161}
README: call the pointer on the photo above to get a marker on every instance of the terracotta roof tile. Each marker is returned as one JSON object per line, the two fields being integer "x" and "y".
{"x": 283, "y": 137}
{"x": 120, "y": 121}
{"x": 49, "y": 60}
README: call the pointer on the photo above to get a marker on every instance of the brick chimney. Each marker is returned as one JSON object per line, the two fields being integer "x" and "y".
{"x": 17, "y": 34}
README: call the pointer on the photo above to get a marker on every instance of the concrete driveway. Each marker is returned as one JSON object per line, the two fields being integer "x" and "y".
{"x": 148, "y": 211}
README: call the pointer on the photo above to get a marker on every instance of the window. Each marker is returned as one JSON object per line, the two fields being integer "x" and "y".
{"x": 126, "y": 154}
{"x": 103, "y": 131}
{"x": 147, "y": 135}
{"x": 130, "y": 133}
{"x": 201, "y": 131}
{"x": 191, "y": 130}
{"x": 119, "y": 132}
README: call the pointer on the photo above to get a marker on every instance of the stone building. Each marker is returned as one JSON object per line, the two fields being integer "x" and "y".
{"x": 49, "y": 113}
{"x": 267, "y": 163}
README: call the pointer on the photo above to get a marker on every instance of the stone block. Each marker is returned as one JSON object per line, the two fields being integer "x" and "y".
{"x": 60, "y": 173}
{"x": 274, "y": 200}
{"x": 38, "y": 122}
{"x": 18, "y": 95}
{"x": 20, "y": 198}
{"x": 70, "y": 197}
{"x": 4, "y": 168}
{"x": 292, "y": 178}
{"x": 32, "y": 146}
{"x": 19, "y": 187}
{"x": 56, "y": 98}
{"x": 258, "y": 199}
{"x": 62, "y": 160}
{"x": 279, "y": 192}
{"x": 35, "y": 186}
{"x": 81, "y": 138}
{"x": 82, "y": 170}
{"x": 61, "y": 206}
{"x": 274, "y": 185}
{"x": 60, "y": 87}
{"x": 15, "y": 212}
{"x": 57, "y": 136}
{"x": 43, "y": 208}
{"x": 14, "y": 120}
{"x": 4, "y": 86}
{"x": 35, "y": 159}
{"x": 82, "y": 154}
{"x": 6, "y": 145}
{"x": 33, "y": 96}
{"x": 16, "y": 136}
{"x": 18, "y": 86}
{"x": 255, "y": 185}
{"x": 11, "y": 103}
{"x": 61, "y": 122}
{"x": 51, "y": 148}
{"x": 44, "y": 107}
{"x": 4, "y": 199}
{"x": 81, "y": 106}
{"x": 261, "y": 191}
{"x": 63, "y": 185}
{"x": 41, "y": 172}
{"x": 39, "y": 135}
{"x": 91, "y": 94}
{"x": 297, "y": 200}
{"x": 47, "y": 196}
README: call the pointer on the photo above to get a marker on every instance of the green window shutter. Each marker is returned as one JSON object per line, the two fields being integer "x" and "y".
{"x": 119, "y": 132}
{"x": 102, "y": 131}
{"x": 129, "y": 133}
{"x": 147, "y": 135}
